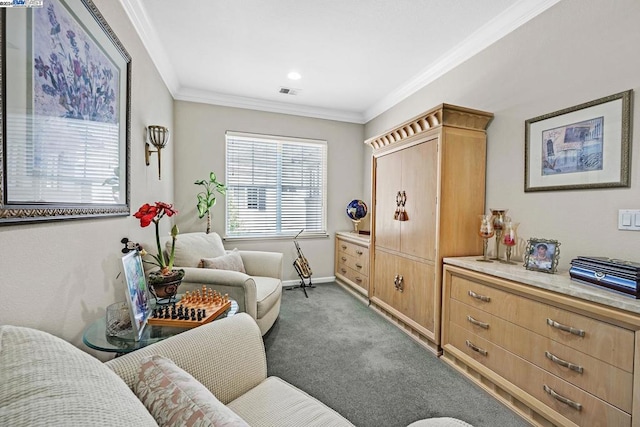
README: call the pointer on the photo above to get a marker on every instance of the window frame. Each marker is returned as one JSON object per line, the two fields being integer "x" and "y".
{"x": 278, "y": 139}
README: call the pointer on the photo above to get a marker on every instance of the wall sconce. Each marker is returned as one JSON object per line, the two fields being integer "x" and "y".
{"x": 158, "y": 136}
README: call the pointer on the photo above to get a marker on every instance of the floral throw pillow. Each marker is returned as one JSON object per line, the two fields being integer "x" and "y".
{"x": 231, "y": 261}
{"x": 175, "y": 398}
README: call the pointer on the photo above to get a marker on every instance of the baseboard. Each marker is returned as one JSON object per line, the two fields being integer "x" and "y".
{"x": 315, "y": 280}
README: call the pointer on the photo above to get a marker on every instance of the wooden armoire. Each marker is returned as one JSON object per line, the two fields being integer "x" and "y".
{"x": 428, "y": 177}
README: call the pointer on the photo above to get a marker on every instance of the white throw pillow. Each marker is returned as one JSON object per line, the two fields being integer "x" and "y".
{"x": 231, "y": 261}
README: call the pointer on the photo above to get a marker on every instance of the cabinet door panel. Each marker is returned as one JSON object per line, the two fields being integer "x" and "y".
{"x": 388, "y": 183}
{"x": 416, "y": 301}
{"x": 419, "y": 182}
{"x": 417, "y": 297}
{"x": 386, "y": 268}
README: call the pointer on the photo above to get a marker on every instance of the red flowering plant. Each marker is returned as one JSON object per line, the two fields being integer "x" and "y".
{"x": 148, "y": 214}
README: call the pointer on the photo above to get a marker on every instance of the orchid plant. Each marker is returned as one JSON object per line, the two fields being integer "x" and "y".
{"x": 154, "y": 213}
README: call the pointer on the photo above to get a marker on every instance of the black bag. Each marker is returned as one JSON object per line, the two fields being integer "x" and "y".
{"x": 618, "y": 275}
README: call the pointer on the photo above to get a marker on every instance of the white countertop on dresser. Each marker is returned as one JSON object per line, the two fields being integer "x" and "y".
{"x": 559, "y": 282}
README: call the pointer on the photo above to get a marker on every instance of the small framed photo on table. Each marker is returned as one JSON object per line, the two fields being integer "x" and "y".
{"x": 542, "y": 255}
{"x": 137, "y": 292}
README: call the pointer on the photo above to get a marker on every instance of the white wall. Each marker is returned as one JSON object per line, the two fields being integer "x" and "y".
{"x": 200, "y": 142}
{"x": 577, "y": 51}
{"x": 60, "y": 276}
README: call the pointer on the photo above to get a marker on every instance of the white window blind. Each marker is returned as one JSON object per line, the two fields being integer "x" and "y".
{"x": 276, "y": 186}
{"x": 63, "y": 160}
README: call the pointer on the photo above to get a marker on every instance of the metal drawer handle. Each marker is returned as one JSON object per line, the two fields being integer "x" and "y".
{"x": 564, "y": 363}
{"x": 344, "y": 246}
{"x": 358, "y": 279}
{"x": 475, "y": 348}
{"x": 574, "y": 405}
{"x": 565, "y": 328}
{"x": 343, "y": 270}
{"x": 478, "y": 323}
{"x": 358, "y": 265}
{"x": 359, "y": 252}
{"x": 480, "y": 297}
{"x": 343, "y": 258}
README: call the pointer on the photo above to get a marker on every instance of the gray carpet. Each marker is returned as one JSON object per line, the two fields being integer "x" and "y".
{"x": 340, "y": 351}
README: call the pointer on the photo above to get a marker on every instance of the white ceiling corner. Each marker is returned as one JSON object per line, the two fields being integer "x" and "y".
{"x": 151, "y": 41}
{"x": 505, "y": 18}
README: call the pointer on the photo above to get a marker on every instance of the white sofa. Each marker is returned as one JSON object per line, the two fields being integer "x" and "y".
{"x": 258, "y": 291}
{"x": 45, "y": 381}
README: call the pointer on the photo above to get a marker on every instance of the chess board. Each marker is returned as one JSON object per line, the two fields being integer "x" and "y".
{"x": 193, "y": 309}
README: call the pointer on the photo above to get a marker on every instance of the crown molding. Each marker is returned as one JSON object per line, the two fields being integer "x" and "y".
{"x": 509, "y": 20}
{"x": 503, "y": 24}
{"x": 138, "y": 16}
{"x": 214, "y": 98}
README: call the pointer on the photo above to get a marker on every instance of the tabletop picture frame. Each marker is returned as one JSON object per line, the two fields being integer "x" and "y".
{"x": 66, "y": 105}
{"x": 542, "y": 255}
{"x": 137, "y": 292}
{"x": 581, "y": 147}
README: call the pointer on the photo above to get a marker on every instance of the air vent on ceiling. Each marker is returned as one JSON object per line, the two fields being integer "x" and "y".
{"x": 288, "y": 91}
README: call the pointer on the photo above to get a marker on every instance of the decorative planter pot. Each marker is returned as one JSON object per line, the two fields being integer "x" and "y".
{"x": 165, "y": 286}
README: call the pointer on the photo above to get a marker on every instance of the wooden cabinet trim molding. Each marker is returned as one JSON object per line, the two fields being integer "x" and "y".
{"x": 443, "y": 114}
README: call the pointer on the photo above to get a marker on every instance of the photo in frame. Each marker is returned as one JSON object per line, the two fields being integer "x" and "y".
{"x": 582, "y": 147}
{"x": 66, "y": 108}
{"x": 137, "y": 291}
{"x": 542, "y": 255}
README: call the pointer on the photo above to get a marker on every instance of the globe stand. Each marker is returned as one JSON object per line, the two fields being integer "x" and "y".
{"x": 356, "y": 223}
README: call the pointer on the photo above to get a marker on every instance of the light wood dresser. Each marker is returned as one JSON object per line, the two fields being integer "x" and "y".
{"x": 352, "y": 262}
{"x": 557, "y": 352}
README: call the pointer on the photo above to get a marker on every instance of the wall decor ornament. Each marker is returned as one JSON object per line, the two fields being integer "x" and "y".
{"x": 581, "y": 147}
{"x": 66, "y": 114}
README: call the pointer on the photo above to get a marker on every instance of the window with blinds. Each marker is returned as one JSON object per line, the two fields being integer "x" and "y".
{"x": 63, "y": 160}
{"x": 276, "y": 186}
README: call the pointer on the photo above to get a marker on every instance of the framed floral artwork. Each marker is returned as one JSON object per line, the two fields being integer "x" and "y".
{"x": 581, "y": 147}
{"x": 66, "y": 108}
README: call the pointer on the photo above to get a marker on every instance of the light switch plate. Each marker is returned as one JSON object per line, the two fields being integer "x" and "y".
{"x": 629, "y": 219}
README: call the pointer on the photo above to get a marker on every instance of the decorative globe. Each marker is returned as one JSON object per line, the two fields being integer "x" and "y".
{"x": 356, "y": 210}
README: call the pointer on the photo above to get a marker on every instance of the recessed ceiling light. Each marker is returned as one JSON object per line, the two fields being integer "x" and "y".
{"x": 294, "y": 75}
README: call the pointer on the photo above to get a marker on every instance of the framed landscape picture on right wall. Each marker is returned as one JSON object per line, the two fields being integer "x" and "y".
{"x": 586, "y": 146}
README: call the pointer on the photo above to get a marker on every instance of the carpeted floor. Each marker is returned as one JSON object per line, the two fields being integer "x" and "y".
{"x": 340, "y": 351}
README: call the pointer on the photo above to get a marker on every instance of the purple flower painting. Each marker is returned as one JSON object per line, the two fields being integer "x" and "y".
{"x": 72, "y": 76}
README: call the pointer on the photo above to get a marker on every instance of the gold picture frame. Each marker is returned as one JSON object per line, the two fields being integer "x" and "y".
{"x": 542, "y": 255}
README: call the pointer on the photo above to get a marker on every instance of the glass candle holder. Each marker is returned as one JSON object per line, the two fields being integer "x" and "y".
{"x": 486, "y": 231}
{"x": 498, "y": 218}
{"x": 509, "y": 238}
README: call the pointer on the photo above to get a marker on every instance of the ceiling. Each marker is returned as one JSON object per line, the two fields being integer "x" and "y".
{"x": 357, "y": 58}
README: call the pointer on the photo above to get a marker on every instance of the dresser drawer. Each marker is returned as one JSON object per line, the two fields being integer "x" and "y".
{"x": 361, "y": 265}
{"x": 610, "y": 383}
{"x": 559, "y": 395}
{"x": 355, "y": 277}
{"x": 604, "y": 341}
{"x": 354, "y": 250}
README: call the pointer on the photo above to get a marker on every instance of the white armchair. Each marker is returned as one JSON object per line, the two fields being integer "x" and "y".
{"x": 258, "y": 291}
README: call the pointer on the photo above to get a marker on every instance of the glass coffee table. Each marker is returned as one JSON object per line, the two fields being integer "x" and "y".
{"x": 95, "y": 336}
